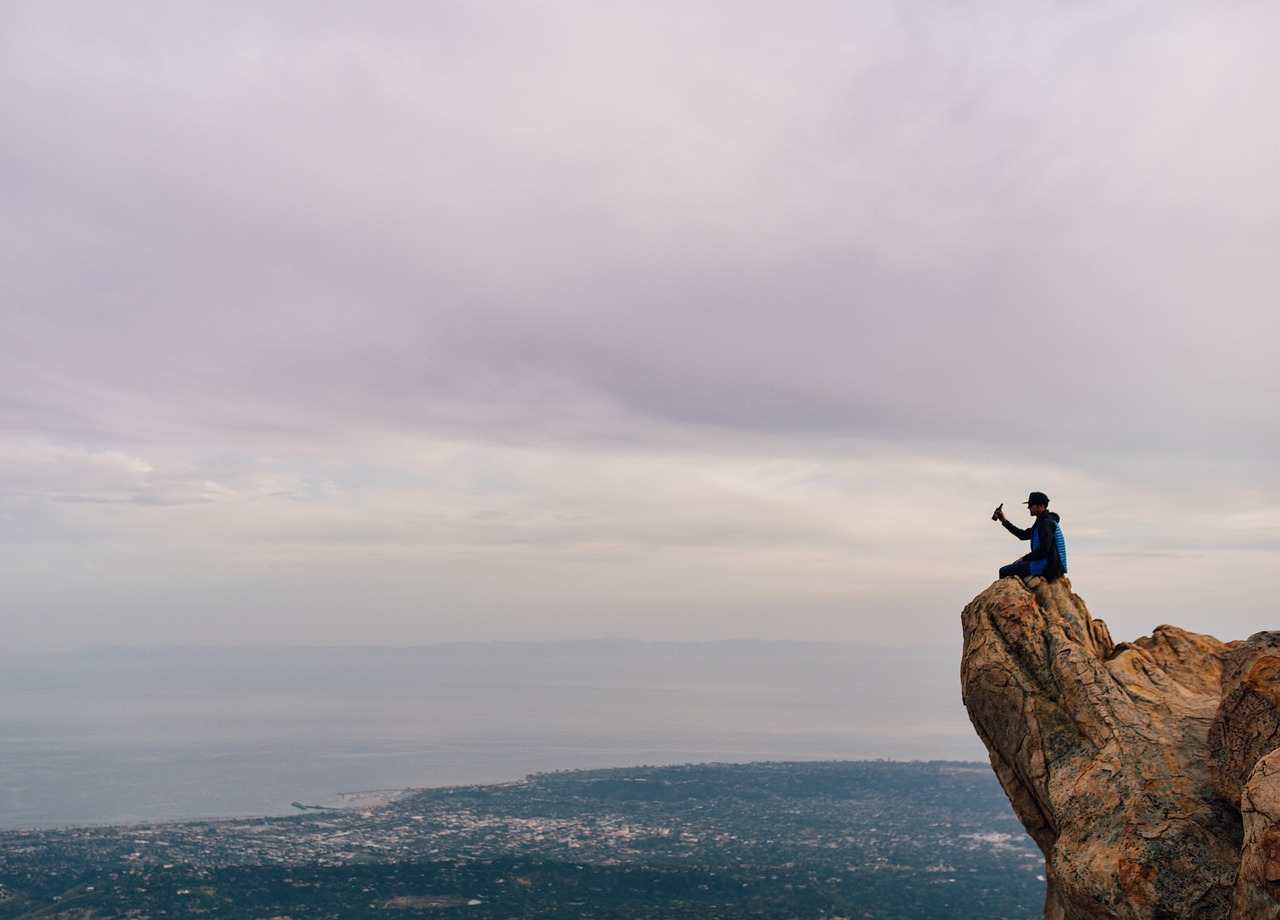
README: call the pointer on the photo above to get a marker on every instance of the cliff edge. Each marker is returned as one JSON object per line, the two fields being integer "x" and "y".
{"x": 1147, "y": 772}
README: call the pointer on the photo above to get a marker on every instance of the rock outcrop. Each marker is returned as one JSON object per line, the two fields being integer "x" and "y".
{"x": 1148, "y": 772}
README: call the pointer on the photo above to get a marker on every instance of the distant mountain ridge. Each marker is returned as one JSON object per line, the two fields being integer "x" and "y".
{"x": 606, "y": 644}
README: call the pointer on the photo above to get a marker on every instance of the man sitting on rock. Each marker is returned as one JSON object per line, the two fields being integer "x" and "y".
{"x": 1048, "y": 556}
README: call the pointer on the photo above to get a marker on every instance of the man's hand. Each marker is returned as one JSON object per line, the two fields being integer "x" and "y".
{"x": 998, "y": 514}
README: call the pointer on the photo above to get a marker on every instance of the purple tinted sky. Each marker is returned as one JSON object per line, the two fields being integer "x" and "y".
{"x": 334, "y": 324}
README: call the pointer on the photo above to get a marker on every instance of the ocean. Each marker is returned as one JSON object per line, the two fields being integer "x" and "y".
{"x": 115, "y": 735}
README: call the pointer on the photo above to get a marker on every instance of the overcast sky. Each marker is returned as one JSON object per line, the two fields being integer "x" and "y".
{"x": 403, "y": 322}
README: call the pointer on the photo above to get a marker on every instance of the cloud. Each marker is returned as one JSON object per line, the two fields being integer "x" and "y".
{"x": 631, "y": 288}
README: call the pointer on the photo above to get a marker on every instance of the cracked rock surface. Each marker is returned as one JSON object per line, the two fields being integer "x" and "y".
{"x": 1144, "y": 771}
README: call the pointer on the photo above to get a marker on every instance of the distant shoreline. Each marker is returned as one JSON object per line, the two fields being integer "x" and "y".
{"x": 101, "y": 738}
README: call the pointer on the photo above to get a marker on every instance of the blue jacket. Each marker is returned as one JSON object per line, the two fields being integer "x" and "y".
{"x": 1048, "y": 554}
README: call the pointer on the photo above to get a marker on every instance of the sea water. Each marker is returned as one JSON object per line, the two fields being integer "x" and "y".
{"x": 114, "y": 735}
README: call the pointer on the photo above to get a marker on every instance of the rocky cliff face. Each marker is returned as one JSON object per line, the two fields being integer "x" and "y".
{"x": 1148, "y": 772}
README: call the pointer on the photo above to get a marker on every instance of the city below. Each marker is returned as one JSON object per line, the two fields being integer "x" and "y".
{"x": 875, "y": 839}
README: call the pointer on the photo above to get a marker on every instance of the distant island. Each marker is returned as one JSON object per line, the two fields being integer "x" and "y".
{"x": 882, "y": 840}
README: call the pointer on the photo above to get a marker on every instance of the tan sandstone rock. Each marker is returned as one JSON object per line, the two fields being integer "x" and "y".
{"x": 1104, "y": 752}
{"x": 1247, "y": 726}
{"x": 1257, "y": 893}
{"x": 1244, "y": 752}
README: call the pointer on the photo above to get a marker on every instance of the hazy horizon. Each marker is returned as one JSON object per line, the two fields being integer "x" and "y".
{"x": 743, "y": 642}
{"x": 112, "y": 735}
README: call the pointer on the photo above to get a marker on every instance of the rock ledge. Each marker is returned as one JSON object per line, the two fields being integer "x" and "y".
{"x": 1148, "y": 772}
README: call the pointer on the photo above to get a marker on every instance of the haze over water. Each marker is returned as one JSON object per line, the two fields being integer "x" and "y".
{"x": 118, "y": 735}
